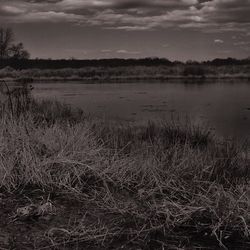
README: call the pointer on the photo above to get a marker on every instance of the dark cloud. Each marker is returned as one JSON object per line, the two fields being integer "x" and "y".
{"x": 178, "y": 29}
{"x": 145, "y": 4}
{"x": 43, "y": 1}
{"x": 132, "y": 14}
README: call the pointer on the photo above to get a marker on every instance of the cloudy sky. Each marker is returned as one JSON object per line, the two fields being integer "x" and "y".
{"x": 175, "y": 29}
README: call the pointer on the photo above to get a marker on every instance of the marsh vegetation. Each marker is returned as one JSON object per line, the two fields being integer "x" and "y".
{"x": 158, "y": 186}
{"x": 129, "y": 73}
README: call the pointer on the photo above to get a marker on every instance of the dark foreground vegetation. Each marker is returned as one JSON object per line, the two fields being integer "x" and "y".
{"x": 122, "y": 69}
{"x": 71, "y": 182}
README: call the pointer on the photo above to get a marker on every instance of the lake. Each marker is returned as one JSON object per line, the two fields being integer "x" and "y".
{"x": 223, "y": 106}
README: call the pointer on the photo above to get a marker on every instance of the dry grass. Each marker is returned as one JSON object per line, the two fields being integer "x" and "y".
{"x": 162, "y": 185}
{"x": 128, "y": 73}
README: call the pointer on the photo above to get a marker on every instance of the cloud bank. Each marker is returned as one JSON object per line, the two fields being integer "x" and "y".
{"x": 132, "y": 15}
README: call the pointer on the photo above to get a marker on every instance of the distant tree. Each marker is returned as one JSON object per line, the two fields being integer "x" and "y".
{"x": 8, "y": 49}
{"x": 18, "y": 52}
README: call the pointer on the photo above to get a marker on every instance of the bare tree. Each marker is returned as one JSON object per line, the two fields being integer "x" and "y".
{"x": 8, "y": 49}
{"x": 6, "y": 39}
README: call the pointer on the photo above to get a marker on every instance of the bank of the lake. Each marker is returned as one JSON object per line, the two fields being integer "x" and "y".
{"x": 69, "y": 181}
{"x": 129, "y": 73}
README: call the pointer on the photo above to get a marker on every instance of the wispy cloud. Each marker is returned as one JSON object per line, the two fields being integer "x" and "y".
{"x": 124, "y": 51}
{"x": 242, "y": 43}
{"x": 106, "y": 51}
{"x": 224, "y": 51}
{"x": 218, "y": 41}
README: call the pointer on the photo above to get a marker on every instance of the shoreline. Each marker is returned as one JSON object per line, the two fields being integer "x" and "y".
{"x": 130, "y": 79}
{"x": 130, "y": 73}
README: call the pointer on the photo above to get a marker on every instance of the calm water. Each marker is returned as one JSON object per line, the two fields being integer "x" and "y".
{"x": 223, "y": 106}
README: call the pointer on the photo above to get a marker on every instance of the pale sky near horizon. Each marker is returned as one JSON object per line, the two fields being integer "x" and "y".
{"x": 174, "y": 29}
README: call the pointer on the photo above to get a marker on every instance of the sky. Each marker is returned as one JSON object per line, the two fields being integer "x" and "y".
{"x": 88, "y": 29}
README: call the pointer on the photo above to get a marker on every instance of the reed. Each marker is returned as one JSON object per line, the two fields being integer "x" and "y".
{"x": 17, "y": 99}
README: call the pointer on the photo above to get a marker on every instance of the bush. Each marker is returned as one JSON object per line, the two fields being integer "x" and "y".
{"x": 194, "y": 70}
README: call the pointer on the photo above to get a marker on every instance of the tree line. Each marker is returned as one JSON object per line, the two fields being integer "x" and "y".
{"x": 116, "y": 62}
{"x": 14, "y": 55}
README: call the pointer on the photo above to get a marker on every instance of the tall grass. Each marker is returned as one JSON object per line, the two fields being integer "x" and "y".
{"x": 162, "y": 185}
{"x": 16, "y": 100}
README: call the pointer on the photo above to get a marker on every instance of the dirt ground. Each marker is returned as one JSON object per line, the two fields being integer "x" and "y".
{"x": 58, "y": 228}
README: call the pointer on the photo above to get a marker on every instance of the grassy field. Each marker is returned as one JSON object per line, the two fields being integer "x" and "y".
{"x": 73, "y": 182}
{"x": 129, "y": 73}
